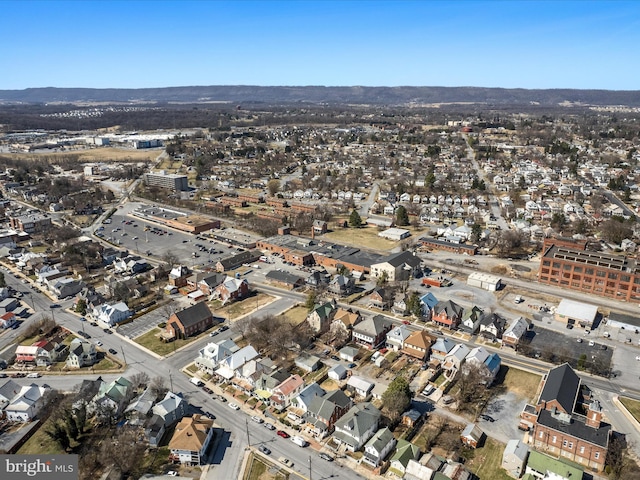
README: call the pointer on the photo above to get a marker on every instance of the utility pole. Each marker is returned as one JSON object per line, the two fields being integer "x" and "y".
{"x": 170, "y": 380}
{"x": 310, "y": 468}
{"x": 247, "y": 427}
{"x": 123, "y": 355}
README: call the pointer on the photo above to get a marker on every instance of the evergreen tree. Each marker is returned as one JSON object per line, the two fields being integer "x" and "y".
{"x": 354, "y": 219}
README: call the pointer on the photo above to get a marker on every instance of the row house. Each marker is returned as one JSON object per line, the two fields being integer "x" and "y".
{"x": 324, "y": 411}
{"x": 447, "y": 314}
{"x": 372, "y": 332}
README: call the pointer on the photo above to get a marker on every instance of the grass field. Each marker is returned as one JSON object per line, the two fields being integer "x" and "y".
{"x": 296, "y": 315}
{"x": 237, "y": 309}
{"x": 524, "y": 384}
{"x": 366, "y": 237}
{"x": 152, "y": 341}
{"x": 632, "y": 405}
{"x": 41, "y": 443}
{"x": 486, "y": 461}
{"x": 96, "y": 155}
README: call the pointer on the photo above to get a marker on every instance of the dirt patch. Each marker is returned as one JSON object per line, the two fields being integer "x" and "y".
{"x": 520, "y": 268}
{"x": 499, "y": 269}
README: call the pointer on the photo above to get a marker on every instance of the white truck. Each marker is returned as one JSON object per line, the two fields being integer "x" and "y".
{"x": 196, "y": 381}
{"x": 301, "y": 442}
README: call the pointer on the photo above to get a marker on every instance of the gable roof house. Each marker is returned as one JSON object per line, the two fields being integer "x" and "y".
{"x": 513, "y": 335}
{"x": 111, "y": 398}
{"x": 471, "y": 320}
{"x": 405, "y": 451}
{"x": 397, "y": 266}
{"x": 287, "y": 391}
{"x": 208, "y": 284}
{"x": 346, "y": 319}
{"x": 381, "y": 298}
{"x": 229, "y": 365}
{"x": 211, "y": 354}
{"x": 357, "y": 426}
{"x": 191, "y": 440}
{"x": 342, "y": 285}
{"x": 324, "y": 411}
{"x": 372, "y": 332}
{"x": 447, "y": 314}
{"x": 26, "y": 404}
{"x": 321, "y": 316}
{"x": 171, "y": 408}
{"x": 397, "y": 336}
{"x": 231, "y": 289}
{"x": 81, "y": 353}
{"x": 306, "y": 396}
{"x": 428, "y": 301}
{"x": 492, "y": 325}
{"x": 188, "y": 322}
{"x": 111, "y": 315}
{"x": 566, "y": 421}
{"x": 454, "y": 360}
{"x": 540, "y": 466}
{"x": 284, "y": 279}
{"x": 441, "y": 348}
{"x": 378, "y": 447}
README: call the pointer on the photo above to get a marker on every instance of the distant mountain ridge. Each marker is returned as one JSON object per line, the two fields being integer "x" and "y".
{"x": 324, "y": 95}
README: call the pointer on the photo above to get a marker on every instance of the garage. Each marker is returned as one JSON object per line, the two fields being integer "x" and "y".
{"x": 484, "y": 281}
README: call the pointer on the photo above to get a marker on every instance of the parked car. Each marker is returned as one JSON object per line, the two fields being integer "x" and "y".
{"x": 326, "y": 457}
{"x": 269, "y": 426}
{"x": 264, "y": 450}
{"x": 487, "y": 418}
{"x": 283, "y": 434}
{"x": 234, "y": 406}
{"x": 257, "y": 419}
{"x": 286, "y": 461}
{"x": 222, "y": 398}
{"x": 207, "y": 390}
{"x": 113, "y": 351}
{"x": 334, "y": 357}
{"x": 98, "y": 343}
{"x": 352, "y": 365}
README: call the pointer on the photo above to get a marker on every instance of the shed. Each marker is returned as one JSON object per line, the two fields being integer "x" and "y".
{"x": 410, "y": 417}
{"x": 472, "y": 435}
{"x": 484, "y": 281}
{"x": 308, "y": 363}
{"x": 515, "y": 457}
{"x": 349, "y": 353}
{"x": 572, "y": 313}
{"x": 337, "y": 373}
{"x": 359, "y": 385}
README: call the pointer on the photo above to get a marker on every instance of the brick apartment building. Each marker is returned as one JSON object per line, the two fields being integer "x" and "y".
{"x": 567, "y": 421}
{"x": 569, "y": 265}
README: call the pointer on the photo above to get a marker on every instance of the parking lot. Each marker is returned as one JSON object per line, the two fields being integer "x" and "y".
{"x": 148, "y": 321}
{"x": 154, "y": 240}
{"x": 545, "y": 343}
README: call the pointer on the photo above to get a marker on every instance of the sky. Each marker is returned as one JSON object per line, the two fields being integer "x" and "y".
{"x": 138, "y": 44}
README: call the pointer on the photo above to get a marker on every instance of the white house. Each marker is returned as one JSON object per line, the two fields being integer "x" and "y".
{"x": 357, "y": 426}
{"x": 26, "y": 404}
{"x": 359, "y": 385}
{"x": 110, "y": 315}
{"x": 378, "y": 447}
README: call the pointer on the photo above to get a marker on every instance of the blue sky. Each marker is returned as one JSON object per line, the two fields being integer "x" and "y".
{"x": 510, "y": 44}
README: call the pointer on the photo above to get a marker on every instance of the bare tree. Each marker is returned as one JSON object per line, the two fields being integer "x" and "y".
{"x": 158, "y": 386}
{"x": 123, "y": 451}
{"x": 139, "y": 380}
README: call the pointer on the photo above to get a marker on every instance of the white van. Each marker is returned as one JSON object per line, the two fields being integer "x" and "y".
{"x": 301, "y": 442}
{"x": 196, "y": 381}
{"x": 33, "y": 375}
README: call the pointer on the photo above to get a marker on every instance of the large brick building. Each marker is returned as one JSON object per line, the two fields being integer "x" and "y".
{"x": 567, "y": 421}
{"x": 569, "y": 265}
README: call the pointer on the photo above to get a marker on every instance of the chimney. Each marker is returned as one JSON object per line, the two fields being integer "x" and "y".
{"x": 594, "y": 414}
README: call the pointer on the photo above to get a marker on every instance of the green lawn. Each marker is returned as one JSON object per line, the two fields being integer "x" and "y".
{"x": 632, "y": 405}
{"x": 485, "y": 461}
{"x": 153, "y": 342}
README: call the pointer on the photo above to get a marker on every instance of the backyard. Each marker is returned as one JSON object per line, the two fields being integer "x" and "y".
{"x": 240, "y": 308}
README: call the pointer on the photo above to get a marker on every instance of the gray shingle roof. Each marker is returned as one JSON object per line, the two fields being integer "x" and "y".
{"x": 562, "y": 385}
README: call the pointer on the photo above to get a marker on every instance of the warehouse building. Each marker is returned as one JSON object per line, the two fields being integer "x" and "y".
{"x": 484, "y": 281}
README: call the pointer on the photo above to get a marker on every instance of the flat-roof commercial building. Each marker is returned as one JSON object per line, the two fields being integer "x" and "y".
{"x": 614, "y": 276}
{"x": 576, "y": 313}
{"x": 30, "y": 223}
{"x": 170, "y": 181}
{"x": 178, "y": 220}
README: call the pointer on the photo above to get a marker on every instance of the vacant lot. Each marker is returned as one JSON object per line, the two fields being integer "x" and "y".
{"x": 153, "y": 342}
{"x": 366, "y": 237}
{"x": 295, "y": 315}
{"x": 243, "y": 307}
{"x": 523, "y": 384}
{"x": 485, "y": 462}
